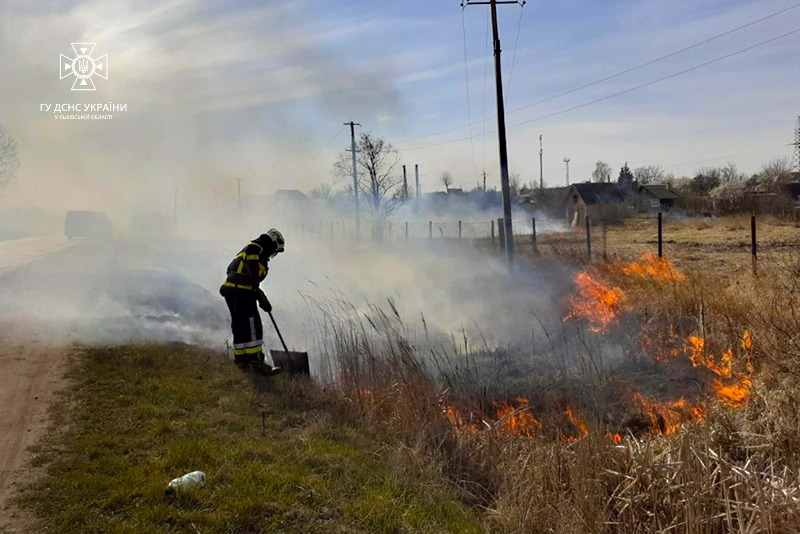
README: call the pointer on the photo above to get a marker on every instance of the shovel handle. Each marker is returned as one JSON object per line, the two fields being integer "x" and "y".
{"x": 278, "y": 331}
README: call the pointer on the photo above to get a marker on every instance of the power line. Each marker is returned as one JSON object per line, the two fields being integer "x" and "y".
{"x": 485, "y": 70}
{"x": 670, "y": 76}
{"x": 469, "y": 107}
{"x": 621, "y": 73}
{"x": 514, "y": 55}
{"x": 648, "y": 63}
{"x": 631, "y": 89}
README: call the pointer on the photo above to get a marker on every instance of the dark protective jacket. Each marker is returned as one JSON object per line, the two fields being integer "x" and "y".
{"x": 250, "y": 266}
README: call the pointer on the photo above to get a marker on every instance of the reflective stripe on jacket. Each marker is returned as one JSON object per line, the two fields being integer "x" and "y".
{"x": 250, "y": 260}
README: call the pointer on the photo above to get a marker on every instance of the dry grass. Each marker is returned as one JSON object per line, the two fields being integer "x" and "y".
{"x": 737, "y": 470}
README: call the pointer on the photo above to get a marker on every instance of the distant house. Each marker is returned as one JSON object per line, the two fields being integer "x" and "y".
{"x": 290, "y": 195}
{"x": 656, "y": 197}
{"x": 594, "y": 200}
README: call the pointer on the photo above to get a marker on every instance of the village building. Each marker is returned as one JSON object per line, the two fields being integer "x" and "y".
{"x": 598, "y": 201}
{"x": 653, "y": 198}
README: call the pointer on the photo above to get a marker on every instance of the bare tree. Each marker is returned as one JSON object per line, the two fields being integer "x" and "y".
{"x": 9, "y": 157}
{"x": 378, "y": 188}
{"x": 447, "y": 180}
{"x": 322, "y": 192}
{"x": 602, "y": 172}
{"x": 649, "y": 174}
{"x": 514, "y": 184}
{"x": 775, "y": 170}
{"x": 730, "y": 173}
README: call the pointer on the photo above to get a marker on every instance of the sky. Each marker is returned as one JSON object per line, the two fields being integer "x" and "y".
{"x": 219, "y": 90}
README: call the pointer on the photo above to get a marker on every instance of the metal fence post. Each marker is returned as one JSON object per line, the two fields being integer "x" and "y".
{"x": 754, "y": 243}
{"x": 660, "y": 239}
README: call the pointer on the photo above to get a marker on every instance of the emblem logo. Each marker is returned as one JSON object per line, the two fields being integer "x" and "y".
{"x": 83, "y": 66}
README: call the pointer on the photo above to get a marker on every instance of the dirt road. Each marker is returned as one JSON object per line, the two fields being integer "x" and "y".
{"x": 55, "y": 293}
{"x": 32, "y": 373}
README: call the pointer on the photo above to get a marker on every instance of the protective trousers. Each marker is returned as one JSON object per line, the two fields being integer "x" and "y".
{"x": 245, "y": 323}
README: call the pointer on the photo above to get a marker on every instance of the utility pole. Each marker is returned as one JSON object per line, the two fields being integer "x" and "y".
{"x": 796, "y": 158}
{"x": 355, "y": 175}
{"x": 405, "y": 184}
{"x": 501, "y": 125}
{"x": 416, "y": 180}
{"x": 541, "y": 167}
{"x": 567, "y": 160}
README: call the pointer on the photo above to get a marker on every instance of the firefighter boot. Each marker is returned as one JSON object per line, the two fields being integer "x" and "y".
{"x": 260, "y": 366}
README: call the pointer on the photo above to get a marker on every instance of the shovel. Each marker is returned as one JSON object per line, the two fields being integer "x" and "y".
{"x": 295, "y": 363}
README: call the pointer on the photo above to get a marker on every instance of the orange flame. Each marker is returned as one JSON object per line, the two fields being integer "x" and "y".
{"x": 695, "y": 352}
{"x": 455, "y": 418}
{"x": 667, "y": 417}
{"x": 597, "y": 303}
{"x": 517, "y": 421}
{"x": 747, "y": 341}
{"x": 651, "y": 266}
{"x": 576, "y": 422}
{"x": 616, "y": 438}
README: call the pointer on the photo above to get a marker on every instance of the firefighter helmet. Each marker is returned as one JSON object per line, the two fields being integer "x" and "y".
{"x": 277, "y": 238}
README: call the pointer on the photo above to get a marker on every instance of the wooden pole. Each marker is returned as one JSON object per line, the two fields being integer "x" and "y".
{"x": 533, "y": 236}
{"x": 492, "y": 231}
{"x": 501, "y": 234}
{"x": 589, "y": 237}
{"x": 459, "y": 229}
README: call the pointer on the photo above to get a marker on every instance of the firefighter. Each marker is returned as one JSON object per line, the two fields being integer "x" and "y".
{"x": 244, "y": 296}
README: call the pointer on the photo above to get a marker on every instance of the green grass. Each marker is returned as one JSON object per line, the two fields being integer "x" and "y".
{"x": 277, "y": 457}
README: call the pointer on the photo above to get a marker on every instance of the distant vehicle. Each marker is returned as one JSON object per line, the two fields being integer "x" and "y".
{"x": 91, "y": 224}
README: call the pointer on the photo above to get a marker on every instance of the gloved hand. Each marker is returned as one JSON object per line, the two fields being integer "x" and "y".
{"x": 263, "y": 301}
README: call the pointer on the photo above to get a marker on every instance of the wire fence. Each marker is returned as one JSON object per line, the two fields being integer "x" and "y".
{"x": 557, "y": 239}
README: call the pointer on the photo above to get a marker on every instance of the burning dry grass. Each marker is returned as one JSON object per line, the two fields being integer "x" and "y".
{"x": 713, "y": 446}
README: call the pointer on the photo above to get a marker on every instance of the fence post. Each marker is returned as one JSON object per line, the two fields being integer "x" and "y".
{"x": 533, "y": 236}
{"x": 501, "y": 234}
{"x": 459, "y": 229}
{"x": 589, "y": 237}
{"x": 660, "y": 238}
{"x": 430, "y": 229}
{"x": 754, "y": 243}
{"x": 406, "y": 230}
{"x": 492, "y": 231}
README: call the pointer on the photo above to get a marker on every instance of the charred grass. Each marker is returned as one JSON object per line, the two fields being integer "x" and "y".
{"x": 732, "y": 467}
{"x": 279, "y": 455}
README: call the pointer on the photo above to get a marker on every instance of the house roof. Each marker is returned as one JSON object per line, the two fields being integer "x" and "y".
{"x": 599, "y": 193}
{"x": 659, "y": 191}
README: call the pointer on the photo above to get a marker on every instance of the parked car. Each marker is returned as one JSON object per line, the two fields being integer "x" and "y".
{"x": 89, "y": 224}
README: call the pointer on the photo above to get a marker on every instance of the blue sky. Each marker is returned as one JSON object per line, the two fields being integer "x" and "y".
{"x": 261, "y": 89}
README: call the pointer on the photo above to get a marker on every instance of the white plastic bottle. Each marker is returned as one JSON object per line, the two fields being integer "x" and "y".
{"x": 195, "y": 479}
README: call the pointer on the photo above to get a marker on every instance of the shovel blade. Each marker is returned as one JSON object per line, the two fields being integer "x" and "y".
{"x": 295, "y": 363}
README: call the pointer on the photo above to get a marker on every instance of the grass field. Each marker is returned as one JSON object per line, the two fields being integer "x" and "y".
{"x": 691, "y": 426}
{"x": 279, "y": 457}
